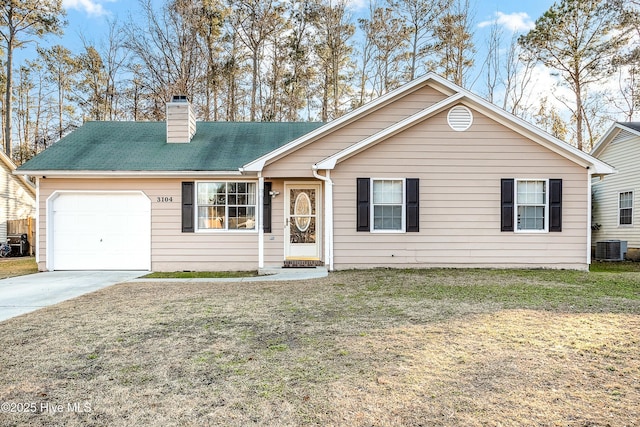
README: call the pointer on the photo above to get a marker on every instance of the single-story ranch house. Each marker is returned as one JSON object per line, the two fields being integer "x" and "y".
{"x": 427, "y": 175}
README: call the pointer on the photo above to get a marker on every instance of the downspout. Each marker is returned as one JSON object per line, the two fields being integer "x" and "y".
{"x": 260, "y": 221}
{"x": 589, "y": 207}
{"x": 36, "y": 244}
{"x": 328, "y": 213}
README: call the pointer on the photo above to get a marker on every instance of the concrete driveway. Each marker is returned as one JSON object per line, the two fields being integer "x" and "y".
{"x": 23, "y": 294}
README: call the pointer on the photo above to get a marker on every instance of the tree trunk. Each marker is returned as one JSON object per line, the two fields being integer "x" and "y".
{"x": 578, "y": 112}
{"x": 7, "y": 101}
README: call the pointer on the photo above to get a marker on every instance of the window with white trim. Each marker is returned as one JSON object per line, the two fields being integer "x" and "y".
{"x": 532, "y": 205}
{"x": 225, "y": 205}
{"x": 625, "y": 208}
{"x": 388, "y": 204}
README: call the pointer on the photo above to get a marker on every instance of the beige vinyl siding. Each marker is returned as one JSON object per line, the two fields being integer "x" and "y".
{"x": 460, "y": 176}
{"x": 16, "y": 201}
{"x": 298, "y": 163}
{"x": 274, "y": 241}
{"x": 171, "y": 249}
{"x": 623, "y": 155}
{"x": 181, "y": 122}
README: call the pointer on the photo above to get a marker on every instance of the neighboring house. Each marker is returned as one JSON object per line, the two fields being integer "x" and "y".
{"x": 615, "y": 213}
{"x": 17, "y": 196}
{"x": 427, "y": 175}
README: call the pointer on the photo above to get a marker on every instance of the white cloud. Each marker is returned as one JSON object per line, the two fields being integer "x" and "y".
{"x": 515, "y": 22}
{"x": 90, "y": 7}
{"x": 356, "y": 5}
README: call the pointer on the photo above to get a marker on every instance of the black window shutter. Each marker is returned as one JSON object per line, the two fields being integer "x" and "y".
{"x": 413, "y": 204}
{"x": 555, "y": 205}
{"x": 362, "y": 221}
{"x": 506, "y": 204}
{"x": 187, "y": 207}
{"x": 266, "y": 208}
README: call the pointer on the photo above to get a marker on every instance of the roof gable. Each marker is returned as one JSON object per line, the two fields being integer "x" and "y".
{"x": 352, "y": 116}
{"x": 10, "y": 167}
{"x": 455, "y": 94}
{"x": 618, "y": 132}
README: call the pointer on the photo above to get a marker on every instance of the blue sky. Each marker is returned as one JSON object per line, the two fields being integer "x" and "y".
{"x": 90, "y": 17}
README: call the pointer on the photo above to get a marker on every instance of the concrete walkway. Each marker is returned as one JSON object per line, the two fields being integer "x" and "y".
{"x": 266, "y": 275}
{"x": 24, "y": 294}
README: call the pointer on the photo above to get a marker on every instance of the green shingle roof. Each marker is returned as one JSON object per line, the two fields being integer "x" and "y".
{"x": 142, "y": 146}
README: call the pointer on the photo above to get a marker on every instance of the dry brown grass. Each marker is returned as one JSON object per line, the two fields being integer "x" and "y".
{"x": 383, "y": 348}
{"x": 18, "y": 266}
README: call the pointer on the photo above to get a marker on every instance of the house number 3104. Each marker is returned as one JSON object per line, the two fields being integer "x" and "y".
{"x": 164, "y": 199}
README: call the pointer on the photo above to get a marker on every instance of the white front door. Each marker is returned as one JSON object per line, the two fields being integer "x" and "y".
{"x": 303, "y": 221}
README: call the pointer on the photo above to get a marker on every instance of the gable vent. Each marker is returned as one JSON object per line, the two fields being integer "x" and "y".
{"x": 460, "y": 118}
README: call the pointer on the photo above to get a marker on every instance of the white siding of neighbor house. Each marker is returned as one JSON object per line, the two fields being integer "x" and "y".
{"x": 16, "y": 200}
{"x": 460, "y": 175}
{"x": 623, "y": 153}
{"x": 171, "y": 249}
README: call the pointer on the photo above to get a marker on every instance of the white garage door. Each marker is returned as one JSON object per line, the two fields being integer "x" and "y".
{"x": 100, "y": 231}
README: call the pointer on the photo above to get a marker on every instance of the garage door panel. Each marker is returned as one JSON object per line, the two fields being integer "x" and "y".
{"x": 109, "y": 231}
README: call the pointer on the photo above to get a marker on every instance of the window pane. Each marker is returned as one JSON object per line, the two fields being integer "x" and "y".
{"x": 387, "y": 217}
{"x": 531, "y": 217}
{"x": 210, "y": 193}
{"x": 211, "y": 217}
{"x": 242, "y": 218}
{"x": 531, "y": 192}
{"x": 626, "y": 200}
{"x": 387, "y": 191}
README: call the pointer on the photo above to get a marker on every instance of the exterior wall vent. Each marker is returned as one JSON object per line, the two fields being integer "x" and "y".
{"x": 181, "y": 120}
{"x": 460, "y": 118}
{"x": 611, "y": 250}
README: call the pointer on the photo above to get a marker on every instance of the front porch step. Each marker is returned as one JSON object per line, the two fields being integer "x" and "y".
{"x": 303, "y": 263}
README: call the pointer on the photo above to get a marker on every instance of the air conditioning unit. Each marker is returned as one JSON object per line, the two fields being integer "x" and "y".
{"x": 611, "y": 250}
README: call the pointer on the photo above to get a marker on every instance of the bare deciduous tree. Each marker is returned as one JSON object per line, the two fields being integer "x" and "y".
{"x": 26, "y": 18}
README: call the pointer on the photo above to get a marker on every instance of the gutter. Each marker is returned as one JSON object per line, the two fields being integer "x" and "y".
{"x": 121, "y": 174}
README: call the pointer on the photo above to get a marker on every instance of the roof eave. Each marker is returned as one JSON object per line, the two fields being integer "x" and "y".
{"x": 123, "y": 174}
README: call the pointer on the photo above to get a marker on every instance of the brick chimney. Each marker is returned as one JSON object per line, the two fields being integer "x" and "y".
{"x": 181, "y": 120}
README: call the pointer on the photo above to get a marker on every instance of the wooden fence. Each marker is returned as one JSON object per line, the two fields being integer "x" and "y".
{"x": 23, "y": 226}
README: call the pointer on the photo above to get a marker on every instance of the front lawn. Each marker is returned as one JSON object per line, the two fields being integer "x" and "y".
{"x": 437, "y": 347}
{"x": 17, "y": 266}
